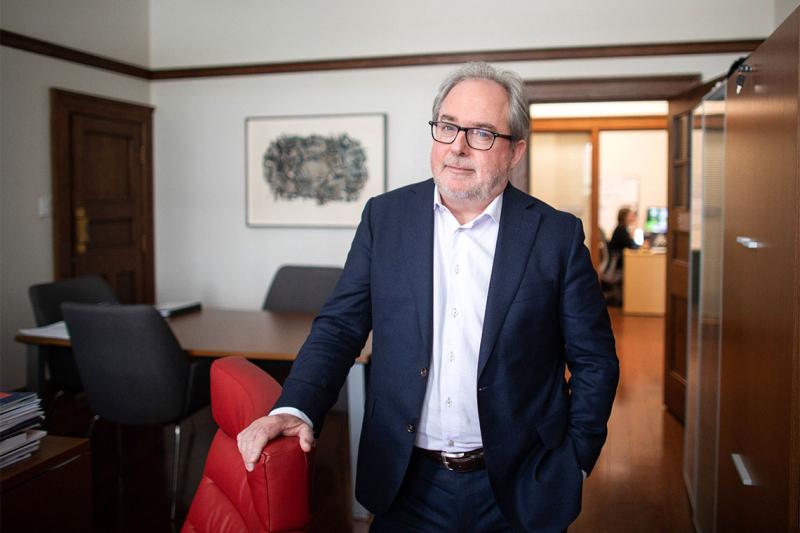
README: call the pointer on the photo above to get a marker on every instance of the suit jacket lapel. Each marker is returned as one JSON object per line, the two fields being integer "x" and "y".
{"x": 417, "y": 241}
{"x": 518, "y": 225}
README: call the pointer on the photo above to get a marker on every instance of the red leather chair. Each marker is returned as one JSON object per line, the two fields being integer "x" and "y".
{"x": 275, "y": 495}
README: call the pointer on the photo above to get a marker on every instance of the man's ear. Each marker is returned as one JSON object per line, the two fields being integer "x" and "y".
{"x": 519, "y": 149}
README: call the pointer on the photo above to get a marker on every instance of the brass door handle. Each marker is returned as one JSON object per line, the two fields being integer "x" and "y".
{"x": 81, "y": 230}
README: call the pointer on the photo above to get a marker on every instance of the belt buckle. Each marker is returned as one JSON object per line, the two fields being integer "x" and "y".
{"x": 445, "y": 456}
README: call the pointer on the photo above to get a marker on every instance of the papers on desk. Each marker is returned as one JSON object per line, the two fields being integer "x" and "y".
{"x": 56, "y": 330}
{"x": 21, "y": 417}
{"x": 176, "y": 308}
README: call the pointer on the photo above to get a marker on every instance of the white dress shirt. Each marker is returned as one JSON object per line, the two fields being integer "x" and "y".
{"x": 463, "y": 255}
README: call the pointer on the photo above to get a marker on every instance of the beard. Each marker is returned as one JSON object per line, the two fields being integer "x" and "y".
{"x": 481, "y": 189}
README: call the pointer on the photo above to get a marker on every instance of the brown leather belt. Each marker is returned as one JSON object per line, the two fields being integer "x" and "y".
{"x": 456, "y": 461}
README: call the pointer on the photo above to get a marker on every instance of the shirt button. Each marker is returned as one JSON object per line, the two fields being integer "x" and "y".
{"x": 410, "y": 428}
{"x": 457, "y": 269}
{"x": 451, "y": 443}
{"x": 423, "y": 372}
{"x": 449, "y": 403}
{"x": 454, "y": 312}
{"x": 451, "y": 356}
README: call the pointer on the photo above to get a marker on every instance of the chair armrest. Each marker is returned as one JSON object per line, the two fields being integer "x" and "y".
{"x": 280, "y": 485}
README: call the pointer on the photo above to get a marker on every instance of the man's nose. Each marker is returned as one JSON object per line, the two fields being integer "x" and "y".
{"x": 459, "y": 144}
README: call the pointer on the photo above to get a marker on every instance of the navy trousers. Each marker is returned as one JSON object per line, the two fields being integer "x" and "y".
{"x": 434, "y": 499}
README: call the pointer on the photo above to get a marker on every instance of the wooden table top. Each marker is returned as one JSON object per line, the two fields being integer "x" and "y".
{"x": 254, "y": 334}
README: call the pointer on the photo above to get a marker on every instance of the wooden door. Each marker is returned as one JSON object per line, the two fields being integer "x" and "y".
{"x": 758, "y": 433}
{"x": 680, "y": 128}
{"x": 103, "y": 193}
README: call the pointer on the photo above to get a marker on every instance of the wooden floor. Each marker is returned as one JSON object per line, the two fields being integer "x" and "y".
{"x": 635, "y": 487}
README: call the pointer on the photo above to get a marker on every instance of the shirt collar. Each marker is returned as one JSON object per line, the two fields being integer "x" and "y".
{"x": 493, "y": 210}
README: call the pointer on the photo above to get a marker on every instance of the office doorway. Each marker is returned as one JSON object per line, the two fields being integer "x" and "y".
{"x": 592, "y": 159}
{"x": 103, "y": 192}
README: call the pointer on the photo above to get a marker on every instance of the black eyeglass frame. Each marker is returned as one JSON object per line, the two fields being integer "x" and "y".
{"x": 495, "y": 135}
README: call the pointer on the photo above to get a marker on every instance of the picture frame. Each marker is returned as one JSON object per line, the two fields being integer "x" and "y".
{"x": 313, "y": 171}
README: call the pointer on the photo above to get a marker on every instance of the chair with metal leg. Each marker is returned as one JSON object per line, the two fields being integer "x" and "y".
{"x": 46, "y": 300}
{"x": 134, "y": 371}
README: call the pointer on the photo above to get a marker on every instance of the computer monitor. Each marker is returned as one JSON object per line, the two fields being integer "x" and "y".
{"x": 656, "y": 221}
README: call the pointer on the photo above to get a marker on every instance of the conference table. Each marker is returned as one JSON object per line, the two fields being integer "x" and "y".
{"x": 254, "y": 334}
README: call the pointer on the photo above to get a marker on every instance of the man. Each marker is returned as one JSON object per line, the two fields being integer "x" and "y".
{"x": 477, "y": 295}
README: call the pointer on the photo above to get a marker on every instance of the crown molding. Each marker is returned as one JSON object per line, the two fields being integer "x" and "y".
{"x": 37, "y": 46}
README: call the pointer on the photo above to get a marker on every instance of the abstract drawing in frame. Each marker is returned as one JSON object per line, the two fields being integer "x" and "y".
{"x": 313, "y": 170}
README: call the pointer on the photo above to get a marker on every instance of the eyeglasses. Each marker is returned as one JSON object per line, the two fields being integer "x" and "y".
{"x": 477, "y": 138}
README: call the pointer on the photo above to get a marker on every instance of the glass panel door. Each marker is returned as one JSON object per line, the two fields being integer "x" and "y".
{"x": 561, "y": 173}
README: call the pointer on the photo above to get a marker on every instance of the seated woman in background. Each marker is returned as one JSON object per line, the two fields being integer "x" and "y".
{"x": 621, "y": 238}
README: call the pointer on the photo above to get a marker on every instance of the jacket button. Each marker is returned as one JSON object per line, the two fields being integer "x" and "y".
{"x": 423, "y": 372}
{"x": 410, "y": 428}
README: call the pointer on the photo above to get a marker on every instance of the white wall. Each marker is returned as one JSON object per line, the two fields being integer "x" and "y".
{"x": 641, "y": 155}
{"x": 117, "y": 29}
{"x": 26, "y": 239}
{"x": 204, "y": 248}
{"x": 207, "y": 32}
{"x": 782, "y": 9}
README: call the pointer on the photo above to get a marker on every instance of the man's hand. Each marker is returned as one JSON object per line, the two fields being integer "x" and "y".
{"x": 254, "y": 437}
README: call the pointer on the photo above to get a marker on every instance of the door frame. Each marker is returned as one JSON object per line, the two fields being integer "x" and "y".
{"x": 63, "y": 105}
{"x": 594, "y": 126}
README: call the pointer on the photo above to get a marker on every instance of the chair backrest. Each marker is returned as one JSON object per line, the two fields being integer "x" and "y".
{"x": 274, "y": 497}
{"x": 46, "y": 298}
{"x": 132, "y": 367}
{"x": 301, "y": 288}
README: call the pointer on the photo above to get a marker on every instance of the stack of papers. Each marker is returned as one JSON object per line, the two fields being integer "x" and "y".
{"x": 176, "y": 308}
{"x": 21, "y": 418}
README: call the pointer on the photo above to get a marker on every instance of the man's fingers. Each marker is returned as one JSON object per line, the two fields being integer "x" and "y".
{"x": 253, "y": 438}
{"x": 306, "y": 437}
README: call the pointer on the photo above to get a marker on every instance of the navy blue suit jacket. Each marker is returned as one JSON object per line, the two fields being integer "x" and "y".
{"x": 544, "y": 310}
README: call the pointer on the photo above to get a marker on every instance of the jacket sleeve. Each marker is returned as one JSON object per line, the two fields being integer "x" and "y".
{"x": 590, "y": 353}
{"x": 337, "y": 336}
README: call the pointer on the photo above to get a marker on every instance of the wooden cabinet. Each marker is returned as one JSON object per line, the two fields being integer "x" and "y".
{"x": 759, "y": 448}
{"x": 50, "y": 491}
{"x": 644, "y": 282}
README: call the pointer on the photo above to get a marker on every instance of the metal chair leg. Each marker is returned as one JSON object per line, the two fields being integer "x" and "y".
{"x": 95, "y": 418}
{"x": 175, "y": 464}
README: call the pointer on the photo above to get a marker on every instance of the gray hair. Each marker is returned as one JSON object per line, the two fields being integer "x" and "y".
{"x": 518, "y": 111}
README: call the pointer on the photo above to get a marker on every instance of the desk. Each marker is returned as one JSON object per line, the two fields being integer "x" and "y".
{"x": 264, "y": 335}
{"x": 644, "y": 282}
{"x": 51, "y": 490}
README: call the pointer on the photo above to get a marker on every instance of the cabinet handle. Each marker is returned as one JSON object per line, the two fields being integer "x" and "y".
{"x": 744, "y": 475}
{"x": 752, "y": 244}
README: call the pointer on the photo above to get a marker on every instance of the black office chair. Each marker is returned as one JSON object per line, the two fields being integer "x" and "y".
{"x": 134, "y": 371}
{"x": 302, "y": 289}
{"x": 46, "y": 300}
{"x": 610, "y": 272}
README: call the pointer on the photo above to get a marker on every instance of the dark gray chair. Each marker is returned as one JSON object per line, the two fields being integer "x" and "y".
{"x": 300, "y": 289}
{"x": 134, "y": 370}
{"x": 46, "y": 300}
{"x": 303, "y": 289}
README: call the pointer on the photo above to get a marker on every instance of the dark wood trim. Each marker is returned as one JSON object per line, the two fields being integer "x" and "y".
{"x": 38, "y": 46}
{"x": 594, "y": 240}
{"x": 599, "y": 123}
{"x": 608, "y": 89}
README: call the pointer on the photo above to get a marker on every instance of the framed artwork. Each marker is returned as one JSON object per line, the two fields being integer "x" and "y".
{"x": 313, "y": 170}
